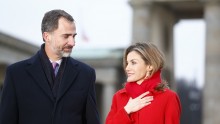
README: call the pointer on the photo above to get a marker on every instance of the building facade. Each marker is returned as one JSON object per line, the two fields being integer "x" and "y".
{"x": 153, "y": 20}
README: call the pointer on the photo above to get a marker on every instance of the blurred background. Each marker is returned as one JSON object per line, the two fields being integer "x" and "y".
{"x": 187, "y": 31}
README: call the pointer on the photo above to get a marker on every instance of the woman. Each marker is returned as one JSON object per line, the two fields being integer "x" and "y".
{"x": 146, "y": 98}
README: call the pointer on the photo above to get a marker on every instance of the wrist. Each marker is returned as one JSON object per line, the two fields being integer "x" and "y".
{"x": 127, "y": 110}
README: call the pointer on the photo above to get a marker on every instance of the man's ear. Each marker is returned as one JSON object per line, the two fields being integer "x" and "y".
{"x": 46, "y": 36}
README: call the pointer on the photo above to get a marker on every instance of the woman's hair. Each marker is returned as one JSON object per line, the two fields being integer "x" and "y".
{"x": 151, "y": 55}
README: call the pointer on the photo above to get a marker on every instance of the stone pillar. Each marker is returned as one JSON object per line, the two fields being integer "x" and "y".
{"x": 107, "y": 76}
{"x": 211, "y": 100}
{"x": 2, "y": 76}
{"x": 108, "y": 92}
{"x": 163, "y": 21}
{"x": 141, "y": 20}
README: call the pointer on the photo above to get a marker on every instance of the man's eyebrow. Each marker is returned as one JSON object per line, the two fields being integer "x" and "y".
{"x": 70, "y": 34}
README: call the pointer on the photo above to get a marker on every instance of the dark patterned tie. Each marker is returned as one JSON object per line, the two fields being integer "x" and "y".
{"x": 55, "y": 67}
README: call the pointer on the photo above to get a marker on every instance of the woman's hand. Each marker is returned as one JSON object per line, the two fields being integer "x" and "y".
{"x": 138, "y": 103}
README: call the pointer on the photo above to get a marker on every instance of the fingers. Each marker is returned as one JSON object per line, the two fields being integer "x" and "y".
{"x": 138, "y": 103}
{"x": 143, "y": 98}
{"x": 147, "y": 98}
{"x": 144, "y": 104}
{"x": 143, "y": 94}
{"x": 147, "y": 103}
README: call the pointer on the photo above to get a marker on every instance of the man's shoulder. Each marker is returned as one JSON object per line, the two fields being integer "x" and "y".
{"x": 21, "y": 63}
{"x": 80, "y": 63}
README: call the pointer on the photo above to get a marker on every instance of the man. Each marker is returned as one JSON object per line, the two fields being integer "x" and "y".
{"x": 35, "y": 93}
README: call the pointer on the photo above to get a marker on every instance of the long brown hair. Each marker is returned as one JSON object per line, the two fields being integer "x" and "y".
{"x": 151, "y": 56}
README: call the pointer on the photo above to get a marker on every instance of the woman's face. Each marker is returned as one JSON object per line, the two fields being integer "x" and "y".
{"x": 136, "y": 68}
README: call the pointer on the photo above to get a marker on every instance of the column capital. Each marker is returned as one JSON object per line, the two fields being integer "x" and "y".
{"x": 211, "y": 1}
{"x": 139, "y": 3}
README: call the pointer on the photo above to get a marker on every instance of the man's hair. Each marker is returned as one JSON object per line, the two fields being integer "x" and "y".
{"x": 51, "y": 18}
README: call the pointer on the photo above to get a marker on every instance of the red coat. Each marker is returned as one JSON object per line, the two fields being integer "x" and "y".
{"x": 164, "y": 109}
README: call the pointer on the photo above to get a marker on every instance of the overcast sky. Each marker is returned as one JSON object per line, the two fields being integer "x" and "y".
{"x": 102, "y": 24}
{"x": 189, "y": 52}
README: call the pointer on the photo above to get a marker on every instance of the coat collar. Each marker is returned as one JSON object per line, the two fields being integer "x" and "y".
{"x": 70, "y": 73}
{"x": 35, "y": 69}
{"x": 122, "y": 91}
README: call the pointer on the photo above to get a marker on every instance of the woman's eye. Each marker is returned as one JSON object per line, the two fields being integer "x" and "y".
{"x": 133, "y": 63}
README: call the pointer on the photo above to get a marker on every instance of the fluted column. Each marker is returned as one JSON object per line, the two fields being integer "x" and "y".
{"x": 141, "y": 20}
{"x": 108, "y": 92}
{"x": 211, "y": 101}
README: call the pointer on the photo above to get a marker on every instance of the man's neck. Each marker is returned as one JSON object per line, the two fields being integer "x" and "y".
{"x": 52, "y": 56}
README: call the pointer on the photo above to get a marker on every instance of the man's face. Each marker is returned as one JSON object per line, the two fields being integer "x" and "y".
{"x": 61, "y": 41}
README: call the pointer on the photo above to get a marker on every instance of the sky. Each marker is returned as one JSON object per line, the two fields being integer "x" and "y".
{"x": 103, "y": 24}
{"x": 100, "y": 23}
{"x": 189, "y": 51}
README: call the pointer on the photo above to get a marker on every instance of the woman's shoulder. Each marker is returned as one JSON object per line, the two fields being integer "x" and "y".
{"x": 167, "y": 96}
{"x": 120, "y": 93}
{"x": 170, "y": 93}
{"x": 120, "y": 97}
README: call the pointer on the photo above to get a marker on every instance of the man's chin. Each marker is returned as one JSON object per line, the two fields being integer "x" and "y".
{"x": 66, "y": 54}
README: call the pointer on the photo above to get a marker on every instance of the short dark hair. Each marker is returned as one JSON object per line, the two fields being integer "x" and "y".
{"x": 51, "y": 18}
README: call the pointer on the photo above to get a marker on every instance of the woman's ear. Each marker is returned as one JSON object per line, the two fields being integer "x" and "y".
{"x": 149, "y": 68}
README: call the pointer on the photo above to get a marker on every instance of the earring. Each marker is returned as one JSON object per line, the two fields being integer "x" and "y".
{"x": 147, "y": 75}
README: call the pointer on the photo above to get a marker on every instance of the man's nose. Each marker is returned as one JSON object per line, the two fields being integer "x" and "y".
{"x": 71, "y": 41}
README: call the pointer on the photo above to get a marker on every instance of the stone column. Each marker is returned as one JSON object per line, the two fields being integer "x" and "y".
{"x": 108, "y": 92}
{"x": 163, "y": 21}
{"x": 211, "y": 100}
{"x": 3, "y": 67}
{"x": 141, "y": 20}
{"x": 107, "y": 76}
{"x": 2, "y": 73}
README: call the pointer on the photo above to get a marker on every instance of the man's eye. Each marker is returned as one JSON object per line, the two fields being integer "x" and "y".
{"x": 74, "y": 35}
{"x": 65, "y": 36}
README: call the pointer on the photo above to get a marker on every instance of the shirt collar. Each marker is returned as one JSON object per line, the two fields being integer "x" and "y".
{"x": 58, "y": 61}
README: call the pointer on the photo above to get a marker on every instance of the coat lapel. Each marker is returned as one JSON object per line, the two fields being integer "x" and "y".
{"x": 70, "y": 74}
{"x": 36, "y": 71}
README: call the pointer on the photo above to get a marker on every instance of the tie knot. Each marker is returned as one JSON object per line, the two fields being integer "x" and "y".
{"x": 54, "y": 64}
{"x": 55, "y": 67}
